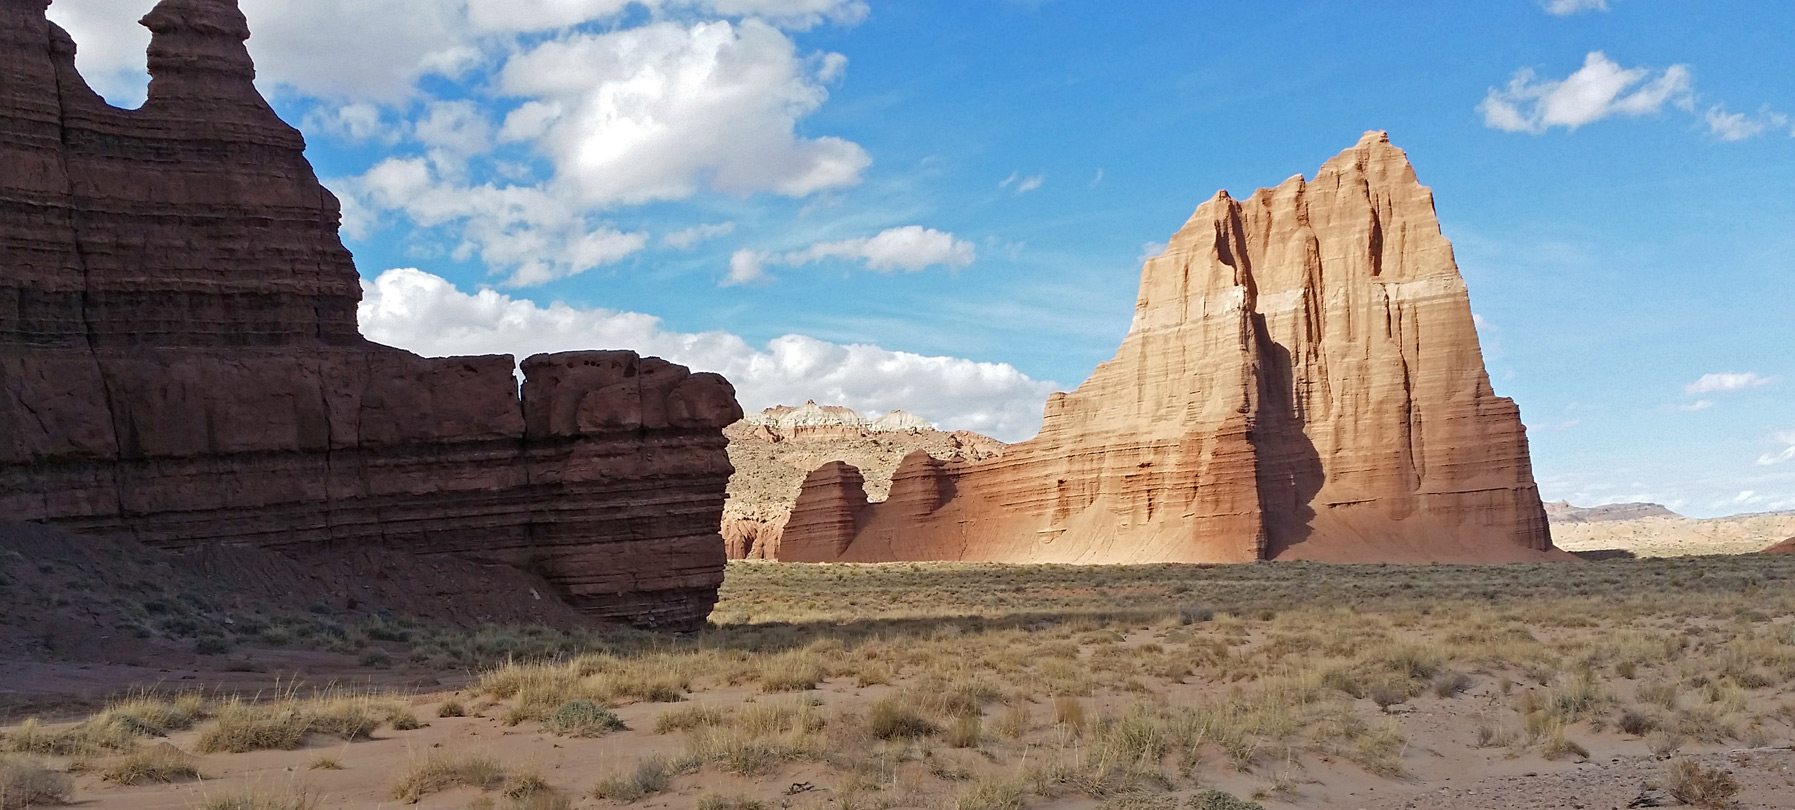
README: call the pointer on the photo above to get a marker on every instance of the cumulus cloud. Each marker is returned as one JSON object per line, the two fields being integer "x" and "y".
{"x": 376, "y": 50}
{"x": 1787, "y": 454}
{"x": 355, "y": 123}
{"x": 656, "y": 112}
{"x": 688, "y": 238}
{"x": 1600, "y": 89}
{"x": 1565, "y": 8}
{"x": 909, "y": 249}
{"x": 1728, "y": 382}
{"x": 534, "y": 236}
{"x": 746, "y": 267}
{"x": 705, "y": 95}
{"x": 426, "y": 314}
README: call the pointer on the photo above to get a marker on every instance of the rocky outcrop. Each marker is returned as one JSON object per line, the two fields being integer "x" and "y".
{"x": 1785, "y": 547}
{"x": 179, "y": 359}
{"x": 1302, "y": 380}
{"x": 774, "y": 449}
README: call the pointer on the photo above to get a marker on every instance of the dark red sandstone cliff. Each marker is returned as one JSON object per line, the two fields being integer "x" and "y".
{"x": 179, "y": 357}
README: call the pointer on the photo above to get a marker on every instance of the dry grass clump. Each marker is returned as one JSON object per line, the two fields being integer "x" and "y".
{"x": 686, "y": 718}
{"x": 990, "y": 795}
{"x": 535, "y": 691}
{"x": 24, "y": 783}
{"x": 439, "y": 772}
{"x": 241, "y": 726}
{"x": 792, "y": 672}
{"x": 120, "y": 727}
{"x": 1692, "y": 784}
{"x": 729, "y": 801}
{"x": 1219, "y": 800}
{"x": 162, "y": 763}
{"x": 650, "y": 776}
{"x": 299, "y": 799}
{"x": 893, "y": 718}
{"x": 583, "y": 718}
{"x": 759, "y": 738}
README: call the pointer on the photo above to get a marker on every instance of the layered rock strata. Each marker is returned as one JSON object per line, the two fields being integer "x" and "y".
{"x": 179, "y": 358}
{"x": 773, "y": 450}
{"x": 1302, "y": 380}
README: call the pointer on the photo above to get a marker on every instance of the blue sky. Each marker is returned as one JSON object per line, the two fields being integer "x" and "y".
{"x": 943, "y": 206}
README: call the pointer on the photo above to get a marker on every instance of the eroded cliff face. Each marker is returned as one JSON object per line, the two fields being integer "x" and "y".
{"x": 774, "y": 450}
{"x": 179, "y": 358}
{"x": 1302, "y": 380}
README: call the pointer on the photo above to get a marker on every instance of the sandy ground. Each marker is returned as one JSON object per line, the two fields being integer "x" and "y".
{"x": 1443, "y": 768}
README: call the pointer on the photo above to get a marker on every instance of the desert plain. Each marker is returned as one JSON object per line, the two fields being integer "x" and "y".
{"x": 985, "y": 687}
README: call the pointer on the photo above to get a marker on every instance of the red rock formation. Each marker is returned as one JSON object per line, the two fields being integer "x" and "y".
{"x": 179, "y": 357}
{"x": 1302, "y": 381}
{"x": 1785, "y": 547}
{"x": 773, "y": 450}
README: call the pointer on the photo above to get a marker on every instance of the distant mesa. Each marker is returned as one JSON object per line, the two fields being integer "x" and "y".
{"x": 773, "y": 450}
{"x": 1302, "y": 380}
{"x": 811, "y": 420}
{"x": 180, "y": 363}
{"x": 1564, "y": 512}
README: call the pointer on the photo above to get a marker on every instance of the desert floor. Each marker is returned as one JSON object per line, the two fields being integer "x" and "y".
{"x": 974, "y": 687}
{"x": 1677, "y": 536}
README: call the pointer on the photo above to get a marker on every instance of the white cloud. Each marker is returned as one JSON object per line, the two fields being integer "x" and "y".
{"x": 534, "y": 235}
{"x": 414, "y": 310}
{"x": 656, "y": 112}
{"x": 1151, "y": 250}
{"x": 1024, "y": 185}
{"x": 688, "y": 238}
{"x": 1727, "y": 382}
{"x": 746, "y": 267}
{"x": 1565, "y": 8}
{"x": 356, "y": 123}
{"x": 1696, "y": 406}
{"x": 353, "y": 50}
{"x": 909, "y": 249}
{"x": 458, "y": 128}
{"x": 1786, "y": 455}
{"x": 1600, "y": 89}
{"x": 1732, "y": 126}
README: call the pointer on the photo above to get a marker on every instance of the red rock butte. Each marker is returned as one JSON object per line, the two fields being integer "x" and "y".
{"x": 179, "y": 357}
{"x": 1302, "y": 381}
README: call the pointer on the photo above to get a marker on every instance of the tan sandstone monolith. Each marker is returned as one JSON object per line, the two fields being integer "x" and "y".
{"x": 179, "y": 357}
{"x": 1302, "y": 380}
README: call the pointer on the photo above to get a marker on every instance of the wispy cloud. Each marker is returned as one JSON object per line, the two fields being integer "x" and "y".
{"x": 1727, "y": 382}
{"x": 1565, "y": 8}
{"x": 1732, "y": 126}
{"x": 690, "y": 237}
{"x": 909, "y": 249}
{"x": 1786, "y": 438}
{"x": 1024, "y": 185}
{"x": 1600, "y": 89}
{"x": 1698, "y": 405}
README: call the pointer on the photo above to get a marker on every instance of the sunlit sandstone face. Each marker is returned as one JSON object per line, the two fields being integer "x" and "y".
{"x": 179, "y": 357}
{"x": 1302, "y": 381}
